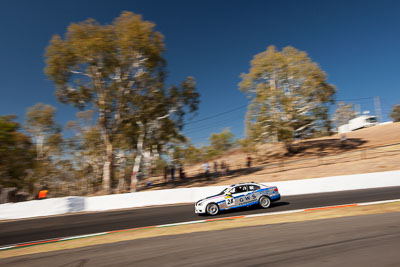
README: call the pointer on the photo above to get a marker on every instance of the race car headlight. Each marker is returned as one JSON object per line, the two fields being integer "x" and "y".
{"x": 199, "y": 203}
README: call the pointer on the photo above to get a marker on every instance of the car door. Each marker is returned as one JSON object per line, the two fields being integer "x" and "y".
{"x": 252, "y": 193}
{"x": 239, "y": 195}
{"x": 229, "y": 198}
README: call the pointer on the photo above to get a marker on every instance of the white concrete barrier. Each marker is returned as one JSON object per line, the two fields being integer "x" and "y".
{"x": 150, "y": 198}
{"x": 286, "y": 188}
{"x": 338, "y": 183}
{"x": 45, "y": 207}
{"x": 189, "y": 195}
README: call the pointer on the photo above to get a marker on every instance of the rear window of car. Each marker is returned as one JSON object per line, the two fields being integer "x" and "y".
{"x": 253, "y": 187}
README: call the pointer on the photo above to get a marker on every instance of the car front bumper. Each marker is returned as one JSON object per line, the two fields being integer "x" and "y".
{"x": 200, "y": 209}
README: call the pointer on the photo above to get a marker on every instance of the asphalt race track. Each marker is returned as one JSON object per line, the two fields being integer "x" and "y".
{"x": 13, "y": 232}
{"x": 368, "y": 240}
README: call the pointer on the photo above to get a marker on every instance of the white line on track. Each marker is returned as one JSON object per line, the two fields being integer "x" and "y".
{"x": 273, "y": 213}
{"x": 83, "y": 236}
{"x": 181, "y": 223}
{"x": 378, "y": 202}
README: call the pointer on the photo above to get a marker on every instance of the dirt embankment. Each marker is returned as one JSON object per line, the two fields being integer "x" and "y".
{"x": 363, "y": 151}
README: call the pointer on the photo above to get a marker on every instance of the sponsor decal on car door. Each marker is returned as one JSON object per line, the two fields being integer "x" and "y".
{"x": 244, "y": 198}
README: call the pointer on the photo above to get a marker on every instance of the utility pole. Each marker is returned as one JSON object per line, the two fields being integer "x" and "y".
{"x": 378, "y": 111}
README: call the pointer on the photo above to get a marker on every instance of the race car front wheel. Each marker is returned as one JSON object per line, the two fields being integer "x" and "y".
{"x": 212, "y": 209}
{"x": 264, "y": 202}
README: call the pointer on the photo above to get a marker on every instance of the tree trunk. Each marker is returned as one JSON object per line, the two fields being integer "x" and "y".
{"x": 39, "y": 147}
{"x": 154, "y": 155}
{"x": 135, "y": 170}
{"x": 107, "y": 169}
{"x": 136, "y": 164}
{"x": 96, "y": 177}
{"x": 121, "y": 182}
{"x": 147, "y": 162}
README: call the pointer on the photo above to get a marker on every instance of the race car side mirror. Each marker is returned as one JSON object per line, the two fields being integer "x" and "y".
{"x": 229, "y": 194}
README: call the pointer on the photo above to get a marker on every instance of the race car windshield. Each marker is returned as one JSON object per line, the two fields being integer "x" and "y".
{"x": 223, "y": 192}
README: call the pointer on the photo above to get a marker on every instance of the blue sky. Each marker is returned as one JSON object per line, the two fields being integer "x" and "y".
{"x": 356, "y": 43}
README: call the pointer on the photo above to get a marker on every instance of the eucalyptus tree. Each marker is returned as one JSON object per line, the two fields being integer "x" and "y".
{"x": 17, "y": 155}
{"x": 223, "y": 141}
{"x": 118, "y": 71}
{"x": 289, "y": 96}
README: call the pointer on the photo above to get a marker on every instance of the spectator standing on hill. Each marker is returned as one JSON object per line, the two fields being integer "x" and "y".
{"x": 140, "y": 176}
{"x": 206, "y": 167}
{"x": 223, "y": 168}
{"x": 172, "y": 170}
{"x": 215, "y": 169}
{"x": 249, "y": 159}
{"x": 181, "y": 173}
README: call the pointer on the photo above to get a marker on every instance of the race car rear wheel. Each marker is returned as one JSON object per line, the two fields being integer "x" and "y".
{"x": 212, "y": 209}
{"x": 264, "y": 202}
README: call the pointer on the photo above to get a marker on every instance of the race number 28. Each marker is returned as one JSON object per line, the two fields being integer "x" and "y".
{"x": 230, "y": 201}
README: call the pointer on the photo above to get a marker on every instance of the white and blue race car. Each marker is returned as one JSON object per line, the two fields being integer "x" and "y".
{"x": 238, "y": 195}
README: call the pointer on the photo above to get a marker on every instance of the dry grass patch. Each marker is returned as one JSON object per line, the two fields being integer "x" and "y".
{"x": 203, "y": 227}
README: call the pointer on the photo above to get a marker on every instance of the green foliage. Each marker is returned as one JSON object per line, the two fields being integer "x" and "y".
{"x": 40, "y": 118}
{"x": 185, "y": 153}
{"x": 209, "y": 153}
{"x": 188, "y": 154}
{"x": 289, "y": 95}
{"x": 220, "y": 143}
{"x": 192, "y": 155}
{"x": 105, "y": 58}
{"x": 395, "y": 114}
{"x": 16, "y": 154}
{"x": 223, "y": 141}
{"x": 248, "y": 145}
